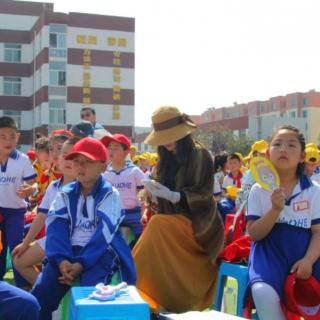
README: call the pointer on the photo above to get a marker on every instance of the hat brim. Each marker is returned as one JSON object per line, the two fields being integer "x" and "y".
{"x": 160, "y": 138}
{"x": 72, "y": 155}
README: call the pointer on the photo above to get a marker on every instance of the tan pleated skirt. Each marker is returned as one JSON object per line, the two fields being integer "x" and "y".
{"x": 172, "y": 269}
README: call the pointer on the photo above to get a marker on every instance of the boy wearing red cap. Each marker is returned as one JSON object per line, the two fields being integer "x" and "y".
{"x": 126, "y": 178}
{"x": 83, "y": 237}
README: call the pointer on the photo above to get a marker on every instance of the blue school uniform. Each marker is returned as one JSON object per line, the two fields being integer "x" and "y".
{"x": 84, "y": 230}
{"x": 17, "y": 304}
{"x": 272, "y": 258}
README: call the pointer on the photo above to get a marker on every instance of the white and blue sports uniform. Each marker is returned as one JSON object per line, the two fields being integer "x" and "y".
{"x": 46, "y": 202}
{"x": 13, "y": 174}
{"x": 84, "y": 230}
{"x": 128, "y": 181}
{"x": 272, "y": 258}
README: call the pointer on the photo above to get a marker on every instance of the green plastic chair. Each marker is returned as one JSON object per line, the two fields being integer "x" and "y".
{"x": 8, "y": 260}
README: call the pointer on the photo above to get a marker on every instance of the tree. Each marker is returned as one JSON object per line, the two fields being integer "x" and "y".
{"x": 221, "y": 139}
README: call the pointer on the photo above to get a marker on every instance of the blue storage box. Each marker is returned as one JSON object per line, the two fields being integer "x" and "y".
{"x": 127, "y": 306}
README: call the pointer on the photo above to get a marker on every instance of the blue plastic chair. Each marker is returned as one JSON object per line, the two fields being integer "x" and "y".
{"x": 238, "y": 272}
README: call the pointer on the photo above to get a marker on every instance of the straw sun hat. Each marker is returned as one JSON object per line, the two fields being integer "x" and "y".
{"x": 169, "y": 125}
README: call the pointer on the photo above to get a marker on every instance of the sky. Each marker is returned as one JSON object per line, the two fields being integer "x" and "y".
{"x": 212, "y": 53}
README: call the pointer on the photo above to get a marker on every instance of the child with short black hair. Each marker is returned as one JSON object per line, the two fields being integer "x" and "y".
{"x": 16, "y": 183}
{"x": 126, "y": 178}
{"x": 83, "y": 237}
{"x": 41, "y": 164}
{"x": 233, "y": 178}
{"x": 29, "y": 254}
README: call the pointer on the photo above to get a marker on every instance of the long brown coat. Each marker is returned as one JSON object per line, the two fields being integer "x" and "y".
{"x": 195, "y": 180}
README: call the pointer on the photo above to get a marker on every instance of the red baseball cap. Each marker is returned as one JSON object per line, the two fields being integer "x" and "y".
{"x": 90, "y": 148}
{"x": 118, "y": 137}
{"x": 61, "y": 132}
{"x": 302, "y": 293}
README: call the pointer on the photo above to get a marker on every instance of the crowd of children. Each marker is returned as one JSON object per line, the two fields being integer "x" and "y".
{"x": 83, "y": 190}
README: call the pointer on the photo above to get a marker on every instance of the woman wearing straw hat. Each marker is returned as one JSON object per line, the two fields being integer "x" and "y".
{"x": 175, "y": 255}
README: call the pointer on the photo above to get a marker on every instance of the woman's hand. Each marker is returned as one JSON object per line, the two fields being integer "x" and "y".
{"x": 278, "y": 200}
{"x": 159, "y": 190}
{"x": 303, "y": 267}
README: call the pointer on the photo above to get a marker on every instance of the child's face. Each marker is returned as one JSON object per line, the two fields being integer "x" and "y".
{"x": 86, "y": 170}
{"x": 143, "y": 163}
{"x": 310, "y": 168}
{"x": 133, "y": 152}
{"x": 234, "y": 165}
{"x": 55, "y": 147}
{"x": 66, "y": 166}
{"x": 116, "y": 152}
{"x": 8, "y": 140}
{"x": 285, "y": 150}
{"x": 44, "y": 159}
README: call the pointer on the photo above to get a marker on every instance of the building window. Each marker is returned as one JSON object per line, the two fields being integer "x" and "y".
{"x": 57, "y": 104}
{"x": 304, "y": 113}
{"x": 11, "y": 86}
{"x": 293, "y": 102}
{"x": 58, "y": 53}
{"x": 57, "y": 65}
{"x": 57, "y": 78}
{"x": 58, "y": 28}
{"x": 273, "y": 106}
{"x": 305, "y": 101}
{"x": 261, "y": 108}
{"x": 58, "y": 40}
{"x": 57, "y": 116}
{"x": 293, "y": 114}
{"x": 15, "y": 115}
{"x": 12, "y": 52}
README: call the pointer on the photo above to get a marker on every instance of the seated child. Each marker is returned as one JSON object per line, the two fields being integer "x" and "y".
{"x": 29, "y": 254}
{"x": 83, "y": 237}
{"x": 233, "y": 178}
{"x": 16, "y": 183}
{"x": 126, "y": 178}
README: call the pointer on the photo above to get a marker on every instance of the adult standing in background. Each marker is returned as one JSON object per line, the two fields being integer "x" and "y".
{"x": 89, "y": 114}
{"x": 175, "y": 255}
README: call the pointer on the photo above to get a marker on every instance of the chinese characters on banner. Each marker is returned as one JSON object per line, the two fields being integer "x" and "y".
{"x": 116, "y": 74}
{"x": 116, "y": 43}
{"x": 86, "y": 76}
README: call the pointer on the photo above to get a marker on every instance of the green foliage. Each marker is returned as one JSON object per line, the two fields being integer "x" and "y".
{"x": 221, "y": 139}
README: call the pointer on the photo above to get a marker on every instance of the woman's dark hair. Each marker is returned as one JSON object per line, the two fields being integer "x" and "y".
{"x": 168, "y": 159}
{"x": 219, "y": 163}
{"x": 301, "y": 139}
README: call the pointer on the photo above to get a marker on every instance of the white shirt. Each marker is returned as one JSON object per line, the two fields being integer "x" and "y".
{"x": 17, "y": 169}
{"x": 127, "y": 182}
{"x": 86, "y": 222}
{"x": 228, "y": 181}
{"x": 49, "y": 196}
{"x": 316, "y": 177}
{"x": 302, "y": 209}
{"x": 216, "y": 184}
